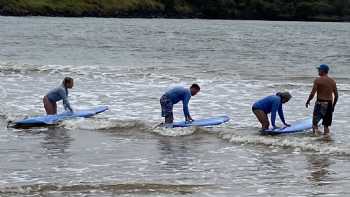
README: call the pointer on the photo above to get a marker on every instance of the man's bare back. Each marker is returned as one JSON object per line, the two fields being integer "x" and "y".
{"x": 325, "y": 87}
{"x": 327, "y": 97}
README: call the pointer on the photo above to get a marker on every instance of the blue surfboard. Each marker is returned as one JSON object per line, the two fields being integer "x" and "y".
{"x": 203, "y": 122}
{"x": 54, "y": 119}
{"x": 298, "y": 126}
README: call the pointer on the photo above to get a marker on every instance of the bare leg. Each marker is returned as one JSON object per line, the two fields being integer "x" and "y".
{"x": 316, "y": 131}
{"x": 326, "y": 131}
{"x": 263, "y": 119}
{"x": 50, "y": 108}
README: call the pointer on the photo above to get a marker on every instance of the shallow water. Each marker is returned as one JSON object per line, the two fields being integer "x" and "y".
{"x": 127, "y": 64}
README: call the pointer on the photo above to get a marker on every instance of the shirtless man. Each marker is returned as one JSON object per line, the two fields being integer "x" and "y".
{"x": 327, "y": 97}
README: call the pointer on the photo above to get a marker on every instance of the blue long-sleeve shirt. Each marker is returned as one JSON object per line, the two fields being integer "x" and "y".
{"x": 60, "y": 93}
{"x": 271, "y": 104}
{"x": 178, "y": 94}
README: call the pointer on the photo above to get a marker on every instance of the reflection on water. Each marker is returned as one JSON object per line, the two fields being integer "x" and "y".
{"x": 270, "y": 162}
{"x": 174, "y": 154}
{"x": 319, "y": 166}
{"x": 56, "y": 142}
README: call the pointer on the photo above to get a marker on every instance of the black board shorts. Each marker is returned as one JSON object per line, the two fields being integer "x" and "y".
{"x": 323, "y": 111}
{"x": 167, "y": 106}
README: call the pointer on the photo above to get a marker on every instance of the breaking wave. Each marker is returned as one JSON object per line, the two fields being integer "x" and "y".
{"x": 298, "y": 143}
{"x": 247, "y": 136}
{"x": 117, "y": 187}
{"x": 243, "y": 136}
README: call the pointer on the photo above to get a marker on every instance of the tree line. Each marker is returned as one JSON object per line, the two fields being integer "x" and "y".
{"x": 321, "y": 10}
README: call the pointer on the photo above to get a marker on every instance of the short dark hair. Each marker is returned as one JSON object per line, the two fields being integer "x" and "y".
{"x": 195, "y": 86}
{"x": 67, "y": 80}
{"x": 285, "y": 95}
{"x": 325, "y": 71}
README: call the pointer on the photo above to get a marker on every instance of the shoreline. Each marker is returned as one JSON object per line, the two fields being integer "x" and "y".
{"x": 279, "y": 10}
{"x": 321, "y": 20}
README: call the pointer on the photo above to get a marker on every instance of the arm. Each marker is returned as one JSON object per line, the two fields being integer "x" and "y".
{"x": 281, "y": 115}
{"x": 185, "y": 108}
{"x": 335, "y": 97}
{"x": 273, "y": 113}
{"x": 66, "y": 103}
{"x": 312, "y": 94}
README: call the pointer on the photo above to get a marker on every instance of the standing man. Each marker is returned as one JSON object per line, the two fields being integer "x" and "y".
{"x": 175, "y": 95}
{"x": 327, "y": 97}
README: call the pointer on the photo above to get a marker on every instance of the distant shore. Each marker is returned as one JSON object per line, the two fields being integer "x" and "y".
{"x": 322, "y": 10}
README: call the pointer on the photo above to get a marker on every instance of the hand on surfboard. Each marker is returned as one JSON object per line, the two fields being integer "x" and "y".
{"x": 189, "y": 119}
{"x": 287, "y": 125}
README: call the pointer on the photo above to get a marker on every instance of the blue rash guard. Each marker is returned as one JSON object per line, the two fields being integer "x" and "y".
{"x": 60, "y": 93}
{"x": 178, "y": 94}
{"x": 271, "y": 104}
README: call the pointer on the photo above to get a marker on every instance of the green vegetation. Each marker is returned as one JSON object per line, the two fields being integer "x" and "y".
{"x": 324, "y": 10}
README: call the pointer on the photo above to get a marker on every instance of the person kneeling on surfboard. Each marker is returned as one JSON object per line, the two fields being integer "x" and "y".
{"x": 57, "y": 94}
{"x": 327, "y": 97}
{"x": 271, "y": 104}
{"x": 175, "y": 95}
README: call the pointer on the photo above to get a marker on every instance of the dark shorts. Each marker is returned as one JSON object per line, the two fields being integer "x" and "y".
{"x": 323, "y": 111}
{"x": 167, "y": 106}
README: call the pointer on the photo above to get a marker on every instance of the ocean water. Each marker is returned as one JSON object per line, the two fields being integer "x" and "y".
{"x": 127, "y": 64}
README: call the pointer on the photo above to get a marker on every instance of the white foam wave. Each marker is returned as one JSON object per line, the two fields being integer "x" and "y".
{"x": 174, "y": 132}
{"x": 104, "y": 124}
{"x": 117, "y": 124}
{"x": 50, "y": 68}
{"x": 298, "y": 143}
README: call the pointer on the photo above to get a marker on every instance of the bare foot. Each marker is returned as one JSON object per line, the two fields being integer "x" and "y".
{"x": 326, "y": 131}
{"x": 317, "y": 133}
{"x": 327, "y": 137}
